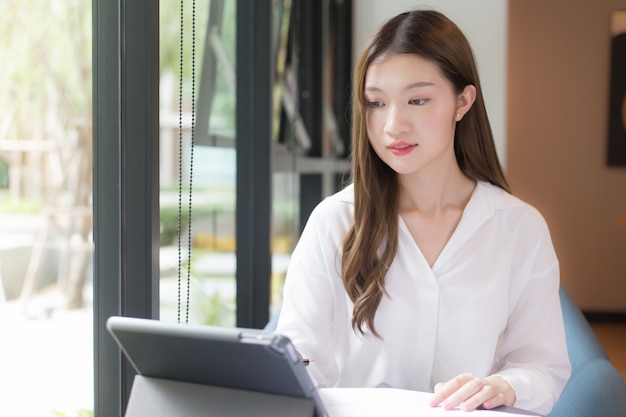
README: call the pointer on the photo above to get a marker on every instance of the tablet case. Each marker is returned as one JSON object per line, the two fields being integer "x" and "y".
{"x": 244, "y": 361}
{"x": 155, "y": 397}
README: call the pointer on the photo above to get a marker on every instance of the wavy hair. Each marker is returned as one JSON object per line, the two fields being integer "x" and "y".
{"x": 371, "y": 243}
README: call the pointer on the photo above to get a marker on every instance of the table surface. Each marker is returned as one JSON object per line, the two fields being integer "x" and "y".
{"x": 374, "y": 402}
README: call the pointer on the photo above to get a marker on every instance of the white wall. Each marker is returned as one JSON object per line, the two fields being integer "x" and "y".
{"x": 484, "y": 22}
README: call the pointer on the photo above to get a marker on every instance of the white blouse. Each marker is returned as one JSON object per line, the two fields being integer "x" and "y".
{"x": 489, "y": 304}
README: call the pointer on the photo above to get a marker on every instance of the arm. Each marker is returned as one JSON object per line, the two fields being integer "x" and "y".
{"x": 307, "y": 311}
{"x": 533, "y": 350}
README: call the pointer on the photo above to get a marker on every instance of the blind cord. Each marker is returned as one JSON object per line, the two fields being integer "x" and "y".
{"x": 180, "y": 154}
{"x": 193, "y": 136}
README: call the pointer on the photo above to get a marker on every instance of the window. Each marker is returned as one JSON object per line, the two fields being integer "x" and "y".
{"x": 45, "y": 208}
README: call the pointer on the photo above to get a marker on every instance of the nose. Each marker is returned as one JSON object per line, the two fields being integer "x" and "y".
{"x": 397, "y": 121}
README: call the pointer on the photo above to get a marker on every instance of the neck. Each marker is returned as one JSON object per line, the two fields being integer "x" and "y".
{"x": 435, "y": 194}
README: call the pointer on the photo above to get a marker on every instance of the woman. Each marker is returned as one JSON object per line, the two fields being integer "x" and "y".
{"x": 426, "y": 273}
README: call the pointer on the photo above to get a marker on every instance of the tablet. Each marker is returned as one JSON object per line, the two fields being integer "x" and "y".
{"x": 247, "y": 359}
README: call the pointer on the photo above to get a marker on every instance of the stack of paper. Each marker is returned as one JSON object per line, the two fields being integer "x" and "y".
{"x": 389, "y": 402}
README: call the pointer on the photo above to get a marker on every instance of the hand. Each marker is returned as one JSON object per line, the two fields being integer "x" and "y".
{"x": 469, "y": 392}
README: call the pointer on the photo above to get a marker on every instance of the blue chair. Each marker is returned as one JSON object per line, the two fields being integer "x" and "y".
{"x": 595, "y": 388}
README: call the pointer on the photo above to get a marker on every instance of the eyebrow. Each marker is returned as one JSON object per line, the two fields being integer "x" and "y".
{"x": 408, "y": 87}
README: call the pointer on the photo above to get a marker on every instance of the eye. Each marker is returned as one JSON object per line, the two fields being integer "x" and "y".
{"x": 419, "y": 101}
{"x": 375, "y": 103}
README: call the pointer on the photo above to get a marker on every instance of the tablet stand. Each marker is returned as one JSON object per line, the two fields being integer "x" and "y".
{"x": 155, "y": 397}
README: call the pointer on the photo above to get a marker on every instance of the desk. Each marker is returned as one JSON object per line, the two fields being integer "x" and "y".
{"x": 375, "y": 402}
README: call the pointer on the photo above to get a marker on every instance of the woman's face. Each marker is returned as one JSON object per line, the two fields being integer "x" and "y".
{"x": 411, "y": 114}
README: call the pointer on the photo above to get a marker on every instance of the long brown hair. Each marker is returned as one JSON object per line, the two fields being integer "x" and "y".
{"x": 370, "y": 245}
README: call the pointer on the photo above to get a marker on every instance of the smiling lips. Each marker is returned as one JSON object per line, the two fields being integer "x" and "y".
{"x": 401, "y": 148}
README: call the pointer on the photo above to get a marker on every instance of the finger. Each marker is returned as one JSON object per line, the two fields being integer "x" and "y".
{"x": 445, "y": 389}
{"x": 469, "y": 390}
{"x": 442, "y": 391}
{"x": 495, "y": 401}
{"x": 484, "y": 395}
{"x": 506, "y": 394}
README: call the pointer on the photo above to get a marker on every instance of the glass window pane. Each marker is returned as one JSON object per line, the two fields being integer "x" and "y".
{"x": 46, "y": 245}
{"x": 285, "y": 231}
{"x": 210, "y": 163}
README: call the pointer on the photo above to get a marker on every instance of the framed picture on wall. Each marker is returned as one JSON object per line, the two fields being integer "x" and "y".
{"x": 617, "y": 97}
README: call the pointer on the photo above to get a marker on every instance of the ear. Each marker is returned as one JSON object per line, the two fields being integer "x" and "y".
{"x": 465, "y": 100}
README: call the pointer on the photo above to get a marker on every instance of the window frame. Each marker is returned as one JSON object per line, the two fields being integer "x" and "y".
{"x": 126, "y": 188}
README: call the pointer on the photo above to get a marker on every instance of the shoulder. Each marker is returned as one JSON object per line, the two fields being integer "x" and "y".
{"x": 521, "y": 228}
{"x": 507, "y": 207}
{"x": 325, "y": 229}
{"x": 334, "y": 214}
{"x": 344, "y": 196}
{"x": 338, "y": 205}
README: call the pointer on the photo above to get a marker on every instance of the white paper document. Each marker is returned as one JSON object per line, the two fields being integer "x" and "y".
{"x": 389, "y": 402}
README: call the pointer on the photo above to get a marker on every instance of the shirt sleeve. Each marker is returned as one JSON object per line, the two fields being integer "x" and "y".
{"x": 306, "y": 316}
{"x": 532, "y": 352}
